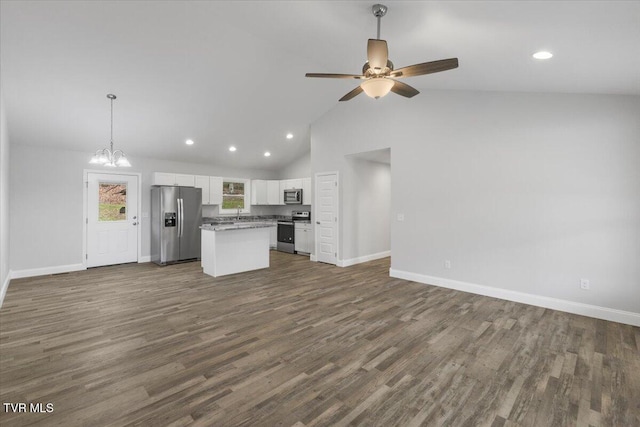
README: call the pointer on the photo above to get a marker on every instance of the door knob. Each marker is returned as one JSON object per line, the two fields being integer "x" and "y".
{"x": 318, "y": 222}
{"x": 135, "y": 217}
{"x": 135, "y": 223}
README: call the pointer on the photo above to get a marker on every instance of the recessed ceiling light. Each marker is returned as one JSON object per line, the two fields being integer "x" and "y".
{"x": 189, "y": 142}
{"x": 232, "y": 148}
{"x": 267, "y": 154}
{"x": 543, "y": 54}
{"x": 289, "y": 135}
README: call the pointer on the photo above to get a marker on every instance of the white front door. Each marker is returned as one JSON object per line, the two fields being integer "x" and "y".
{"x": 112, "y": 219}
{"x": 327, "y": 217}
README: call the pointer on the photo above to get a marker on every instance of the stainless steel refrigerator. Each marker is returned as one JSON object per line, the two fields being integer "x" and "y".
{"x": 176, "y": 217}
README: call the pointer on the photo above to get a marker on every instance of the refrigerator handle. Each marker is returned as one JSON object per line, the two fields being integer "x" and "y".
{"x": 181, "y": 217}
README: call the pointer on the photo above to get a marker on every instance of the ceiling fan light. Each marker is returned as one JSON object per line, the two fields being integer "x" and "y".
{"x": 94, "y": 160}
{"x": 377, "y": 87}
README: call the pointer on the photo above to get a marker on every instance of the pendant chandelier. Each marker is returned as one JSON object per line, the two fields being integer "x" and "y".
{"x": 107, "y": 156}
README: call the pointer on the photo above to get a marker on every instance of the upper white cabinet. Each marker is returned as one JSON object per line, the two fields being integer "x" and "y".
{"x": 185, "y": 180}
{"x": 215, "y": 190}
{"x": 263, "y": 192}
{"x": 273, "y": 192}
{"x": 163, "y": 178}
{"x": 283, "y": 186}
{"x": 290, "y": 184}
{"x": 203, "y": 182}
{"x": 267, "y": 192}
{"x": 259, "y": 192}
{"x": 307, "y": 197}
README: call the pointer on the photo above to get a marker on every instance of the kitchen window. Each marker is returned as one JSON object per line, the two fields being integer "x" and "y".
{"x": 235, "y": 195}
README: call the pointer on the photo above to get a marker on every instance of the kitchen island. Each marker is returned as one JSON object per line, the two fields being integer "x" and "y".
{"x": 234, "y": 248}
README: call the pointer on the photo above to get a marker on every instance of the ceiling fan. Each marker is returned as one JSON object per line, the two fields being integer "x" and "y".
{"x": 378, "y": 73}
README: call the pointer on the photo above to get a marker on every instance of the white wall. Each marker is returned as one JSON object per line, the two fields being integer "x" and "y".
{"x": 299, "y": 168}
{"x": 4, "y": 202}
{"x": 522, "y": 192}
{"x": 366, "y": 228}
{"x": 46, "y": 202}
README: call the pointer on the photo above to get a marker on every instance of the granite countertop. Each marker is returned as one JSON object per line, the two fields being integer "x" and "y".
{"x": 237, "y": 225}
{"x": 219, "y": 220}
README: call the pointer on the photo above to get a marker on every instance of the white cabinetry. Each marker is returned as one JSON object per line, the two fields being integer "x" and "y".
{"x": 163, "y": 178}
{"x": 290, "y": 184}
{"x": 307, "y": 197}
{"x": 185, "y": 180}
{"x": 303, "y": 237}
{"x": 215, "y": 190}
{"x": 273, "y": 237}
{"x": 273, "y": 192}
{"x": 283, "y": 186}
{"x": 265, "y": 192}
{"x": 259, "y": 192}
{"x": 203, "y": 182}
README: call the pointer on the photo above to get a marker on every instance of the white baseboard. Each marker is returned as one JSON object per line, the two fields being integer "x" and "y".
{"x": 626, "y": 317}
{"x": 18, "y": 274}
{"x": 5, "y": 286}
{"x": 366, "y": 258}
{"x": 313, "y": 258}
{"x": 144, "y": 259}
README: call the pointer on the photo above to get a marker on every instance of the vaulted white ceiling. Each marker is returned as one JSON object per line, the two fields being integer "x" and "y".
{"x": 232, "y": 73}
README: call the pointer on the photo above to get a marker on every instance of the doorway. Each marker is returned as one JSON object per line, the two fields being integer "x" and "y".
{"x": 366, "y": 221}
{"x": 326, "y": 207}
{"x": 112, "y": 232}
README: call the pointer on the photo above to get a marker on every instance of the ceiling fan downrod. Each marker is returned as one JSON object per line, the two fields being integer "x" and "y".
{"x": 379, "y": 10}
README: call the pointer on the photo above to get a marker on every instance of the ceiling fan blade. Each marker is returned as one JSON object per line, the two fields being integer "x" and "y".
{"x": 335, "y": 76}
{"x": 426, "y": 68}
{"x": 404, "y": 89}
{"x": 377, "y": 54}
{"x": 352, "y": 94}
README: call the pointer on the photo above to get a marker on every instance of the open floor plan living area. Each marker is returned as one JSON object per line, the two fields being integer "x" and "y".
{"x": 319, "y": 213}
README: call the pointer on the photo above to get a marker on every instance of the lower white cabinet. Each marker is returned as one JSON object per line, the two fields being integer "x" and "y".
{"x": 273, "y": 238}
{"x": 303, "y": 237}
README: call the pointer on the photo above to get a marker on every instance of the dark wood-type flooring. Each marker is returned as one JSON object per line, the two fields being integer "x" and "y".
{"x": 302, "y": 344}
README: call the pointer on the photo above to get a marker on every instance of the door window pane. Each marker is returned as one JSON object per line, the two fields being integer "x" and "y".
{"x": 232, "y": 195}
{"x": 112, "y": 201}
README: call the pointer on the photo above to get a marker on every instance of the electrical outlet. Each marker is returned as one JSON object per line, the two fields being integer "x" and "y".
{"x": 584, "y": 284}
{"x": 400, "y": 217}
{"x": 447, "y": 264}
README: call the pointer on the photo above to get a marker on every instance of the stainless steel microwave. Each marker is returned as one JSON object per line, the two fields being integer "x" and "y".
{"x": 293, "y": 196}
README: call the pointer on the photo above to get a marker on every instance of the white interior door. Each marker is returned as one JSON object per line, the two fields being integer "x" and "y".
{"x": 112, "y": 219}
{"x": 327, "y": 218}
